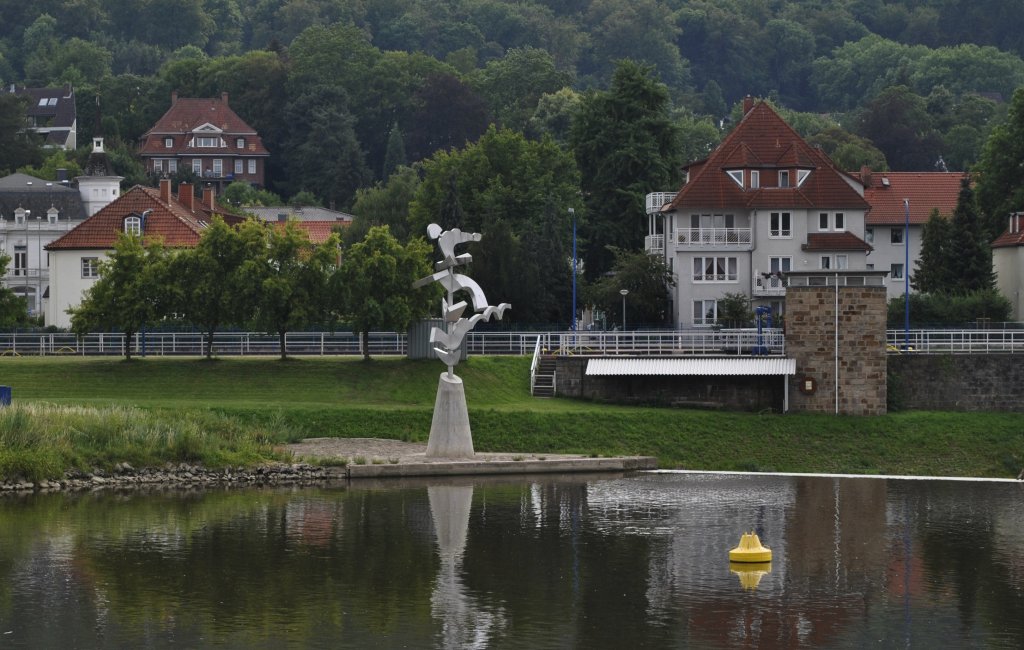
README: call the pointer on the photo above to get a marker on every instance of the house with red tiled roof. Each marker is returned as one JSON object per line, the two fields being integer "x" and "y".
{"x": 885, "y": 225}
{"x": 207, "y": 137}
{"x": 1008, "y": 263}
{"x": 152, "y": 213}
{"x": 763, "y": 203}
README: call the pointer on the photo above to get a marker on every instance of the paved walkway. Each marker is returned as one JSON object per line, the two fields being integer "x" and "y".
{"x": 379, "y": 458}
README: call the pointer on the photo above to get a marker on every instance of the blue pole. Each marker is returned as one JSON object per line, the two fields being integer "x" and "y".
{"x": 572, "y": 212}
{"x": 906, "y": 274}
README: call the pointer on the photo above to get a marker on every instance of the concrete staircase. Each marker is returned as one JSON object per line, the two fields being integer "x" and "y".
{"x": 544, "y": 377}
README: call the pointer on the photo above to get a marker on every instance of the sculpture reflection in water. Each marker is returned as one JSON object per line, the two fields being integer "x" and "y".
{"x": 450, "y": 434}
{"x": 464, "y": 622}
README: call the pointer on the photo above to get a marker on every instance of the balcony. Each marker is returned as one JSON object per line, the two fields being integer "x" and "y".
{"x": 767, "y": 284}
{"x": 654, "y": 244}
{"x": 727, "y": 238}
{"x": 655, "y": 201}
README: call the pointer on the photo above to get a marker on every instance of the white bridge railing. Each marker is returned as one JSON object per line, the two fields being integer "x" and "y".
{"x": 696, "y": 342}
{"x": 1000, "y": 341}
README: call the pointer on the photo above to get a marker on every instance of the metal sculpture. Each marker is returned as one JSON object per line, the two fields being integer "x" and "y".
{"x": 450, "y": 435}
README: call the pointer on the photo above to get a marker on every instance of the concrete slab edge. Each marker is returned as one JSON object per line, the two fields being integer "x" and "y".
{"x": 526, "y": 466}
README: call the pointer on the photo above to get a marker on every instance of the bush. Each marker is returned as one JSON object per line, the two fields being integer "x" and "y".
{"x": 948, "y": 310}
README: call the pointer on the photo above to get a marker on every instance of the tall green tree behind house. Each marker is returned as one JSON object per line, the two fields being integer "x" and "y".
{"x": 646, "y": 277}
{"x": 933, "y": 267}
{"x": 1000, "y": 182}
{"x": 970, "y": 261}
{"x": 373, "y": 286}
{"x": 17, "y": 147}
{"x": 131, "y": 292}
{"x": 626, "y": 145}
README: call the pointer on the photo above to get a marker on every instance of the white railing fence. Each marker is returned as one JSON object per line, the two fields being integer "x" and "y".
{"x": 983, "y": 341}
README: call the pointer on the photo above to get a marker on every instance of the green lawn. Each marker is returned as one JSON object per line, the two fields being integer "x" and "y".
{"x": 234, "y": 410}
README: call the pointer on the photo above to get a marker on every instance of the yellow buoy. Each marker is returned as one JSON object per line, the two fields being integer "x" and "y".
{"x": 750, "y": 550}
{"x": 750, "y": 573}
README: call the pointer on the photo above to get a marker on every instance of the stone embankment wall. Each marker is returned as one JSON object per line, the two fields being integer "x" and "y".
{"x": 811, "y": 332}
{"x": 962, "y": 382}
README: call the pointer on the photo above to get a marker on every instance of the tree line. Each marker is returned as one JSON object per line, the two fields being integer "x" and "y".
{"x": 256, "y": 276}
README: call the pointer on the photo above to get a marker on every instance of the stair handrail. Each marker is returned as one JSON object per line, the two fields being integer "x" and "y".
{"x": 533, "y": 364}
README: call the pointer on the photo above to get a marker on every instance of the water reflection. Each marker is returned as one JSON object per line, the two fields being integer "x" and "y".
{"x": 576, "y": 562}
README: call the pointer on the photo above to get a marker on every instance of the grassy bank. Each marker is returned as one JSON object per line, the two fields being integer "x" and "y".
{"x": 86, "y": 412}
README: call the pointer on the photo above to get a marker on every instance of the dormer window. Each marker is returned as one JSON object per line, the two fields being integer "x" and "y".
{"x": 783, "y": 178}
{"x": 240, "y": 143}
{"x": 51, "y": 215}
{"x": 206, "y": 142}
{"x": 801, "y": 176}
{"x": 755, "y": 179}
{"x": 737, "y": 176}
{"x": 133, "y": 225}
{"x": 168, "y": 143}
{"x": 19, "y": 216}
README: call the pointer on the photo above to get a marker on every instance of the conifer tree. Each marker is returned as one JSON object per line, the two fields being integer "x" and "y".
{"x": 970, "y": 260}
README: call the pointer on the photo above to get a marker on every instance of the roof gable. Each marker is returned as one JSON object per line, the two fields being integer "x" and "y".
{"x": 763, "y": 140}
{"x": 926, "y": 191}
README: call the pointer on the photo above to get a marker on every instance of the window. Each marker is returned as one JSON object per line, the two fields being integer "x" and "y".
{"x": 801, "y": 176}
{"x": 168, "y": 143}
{"x": 172, "y": 165}
{"x": 714, "y": 269}
{"x": 755, "y": 179}
{"x": 823, "y": 221}
{"x": 51, "y": 215}
{"x": 20, "y": 259}
{"x": 896, "y": 235}
{"x": 42, "y": 102}
{"x": 239, "y": 166}
{"x": 19, "y": 216}
{"x": 780, "y": 225}
{"x": 842, "y": 262}
{"x": 870, "y": 267}
{"x": 737, "y": 176}
{"x": 197, "y": 166}
{"x": 158, "y": 165}
{"x": 825, "y": 262}
{"x": 869, "y": 235}
{"x": 781, "y": 264}
{"x": 207, "y": 142}
{"x": 840, "y": 221}
{"x": 783, "y": 178}
{"x": 896, "y": 271}
{"x": 52, "y": 101}
{"x": 133, "y": 225}
{"x": 252, "y": 166}
{"x": 90, "y": 267}
{"x": 705, "y": 312}
{"x": 218, "y": 167}
{"x": 240, "y": 143}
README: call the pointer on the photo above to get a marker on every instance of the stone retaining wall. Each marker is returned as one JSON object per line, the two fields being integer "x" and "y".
{"x": 962, "y": 382}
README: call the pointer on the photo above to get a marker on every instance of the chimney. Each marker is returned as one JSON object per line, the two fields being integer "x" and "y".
{"x": 208, "y": 196}
{"x": 165, "y": 190}
{"x": 865, "y": 175}
{"x": 748, "y": 104}
{"x": 224, "y": 98}
{"x": 186, "y": 195}
{"x": 174, "y": 96}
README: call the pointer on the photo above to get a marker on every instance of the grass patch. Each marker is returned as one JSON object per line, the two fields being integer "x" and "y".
{"x": 89, "y": 412}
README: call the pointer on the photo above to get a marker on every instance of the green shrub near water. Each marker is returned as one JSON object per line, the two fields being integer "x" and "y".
{"x": 85, "y": 412}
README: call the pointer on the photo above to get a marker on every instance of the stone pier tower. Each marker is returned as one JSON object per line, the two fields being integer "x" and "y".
{"x": 835, "y": 329}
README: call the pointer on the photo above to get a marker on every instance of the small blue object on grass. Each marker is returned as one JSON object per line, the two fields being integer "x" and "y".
{"x": 5, "y": 395}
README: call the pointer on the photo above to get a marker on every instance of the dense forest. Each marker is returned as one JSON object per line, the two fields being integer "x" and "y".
{"x": 404, "y": 111}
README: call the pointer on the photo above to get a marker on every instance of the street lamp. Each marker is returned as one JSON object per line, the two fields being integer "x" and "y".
{"x": 624, "y": 293}
{"x": 572, "y": 214}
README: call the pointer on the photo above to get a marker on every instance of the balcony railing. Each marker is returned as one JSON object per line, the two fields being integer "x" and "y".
{"x": 768, "y": 284}
{"x": 714, "y": 237}
{"x": 655, "y": 200}
{"x": 654, "y": 244}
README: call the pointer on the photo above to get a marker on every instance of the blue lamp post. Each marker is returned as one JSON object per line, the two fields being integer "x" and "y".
{"x": 575, "y": 267}
{"x": 906, "y": 274}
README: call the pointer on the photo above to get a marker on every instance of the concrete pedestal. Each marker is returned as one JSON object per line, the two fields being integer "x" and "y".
{"x": 450, "y": 435}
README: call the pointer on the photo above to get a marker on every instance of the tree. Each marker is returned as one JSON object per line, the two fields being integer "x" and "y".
{"x": 394, "y": 156}
{"x": 626, "y": 146}
{"x": 385, "y": 204}
{"x": 212, "y": 280}
{"x": 132, "y": 290}
{"x": 1000, "y": 183}
{"x": 373, "y": 285}
{"x": 13, "y": 308}
{"x": 292, "y": 277}
{"x": 18, "y": 147}
{"x": 897, "y": 121}
{"x": 734, "y": 310}
{"x": 646, "y": 277}
{"x": 970, "y": 268}
{"x": 513, "y": 85}
{"x": 934, "y": 266}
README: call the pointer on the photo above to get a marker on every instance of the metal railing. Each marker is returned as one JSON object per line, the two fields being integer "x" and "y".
{"x": 771, "y": 284}
{"x": 725, "y": 237}
{"x": 986, "y": 341}
{"x": 655, "y": 201}
{"x": 699, "y": 342}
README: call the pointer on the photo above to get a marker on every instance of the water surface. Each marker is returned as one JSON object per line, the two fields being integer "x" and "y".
{"x": 624, "y": 562}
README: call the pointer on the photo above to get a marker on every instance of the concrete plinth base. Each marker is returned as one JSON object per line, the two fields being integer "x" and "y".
{"x": 450, "y": 435}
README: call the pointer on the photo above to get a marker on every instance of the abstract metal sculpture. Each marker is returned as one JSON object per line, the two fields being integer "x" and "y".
{"x": 450, "y": 435}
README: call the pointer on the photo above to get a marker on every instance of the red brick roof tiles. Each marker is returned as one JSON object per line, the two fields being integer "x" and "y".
{"x": 764, "y": 140}
{"x": 835, "y": 241}
{"x": 187, "y": 114}
{"x": 926, "y": 191}
{"x": 317, "y": 231}
{"x": 1013, "y": 235}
